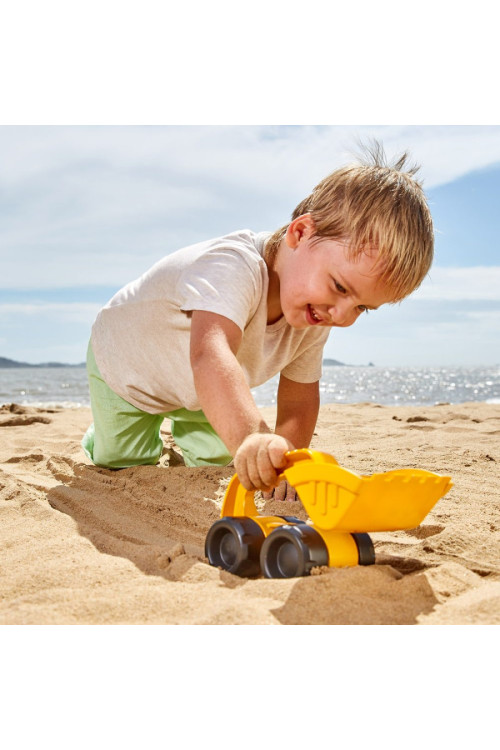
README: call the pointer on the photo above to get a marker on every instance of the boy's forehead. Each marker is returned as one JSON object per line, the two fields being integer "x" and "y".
{"x": 369, "y": 250}
{"x": 365, "y": 261}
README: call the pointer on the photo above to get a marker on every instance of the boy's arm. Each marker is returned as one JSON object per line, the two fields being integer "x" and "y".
{"x": 228, "y": 404}
{"x": 298, "y": 408}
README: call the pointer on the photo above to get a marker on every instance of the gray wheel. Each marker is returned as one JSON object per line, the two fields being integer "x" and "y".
{"x": 292, "y": 551}
{"x": 234, "y": 544}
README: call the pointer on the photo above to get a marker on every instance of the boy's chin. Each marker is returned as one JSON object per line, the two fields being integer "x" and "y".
{"x": 297, "y": 321}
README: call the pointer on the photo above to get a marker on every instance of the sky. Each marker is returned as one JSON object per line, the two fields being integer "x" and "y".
{"x": 86, "y": 209}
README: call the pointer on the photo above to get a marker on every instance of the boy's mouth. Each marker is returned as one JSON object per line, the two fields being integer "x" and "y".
{"x": 313, "y": 315}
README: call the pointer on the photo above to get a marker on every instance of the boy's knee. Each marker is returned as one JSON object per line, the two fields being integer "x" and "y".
{"x": 117, "y": 454}
{"x": 109, "y": 460}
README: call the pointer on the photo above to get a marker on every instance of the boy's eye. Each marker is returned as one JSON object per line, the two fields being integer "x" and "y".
{"x": 363, "y": 308}
{"x": 340, "y": 288}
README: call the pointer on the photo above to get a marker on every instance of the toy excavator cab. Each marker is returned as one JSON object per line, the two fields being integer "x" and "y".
{"x": 342, "y": 507}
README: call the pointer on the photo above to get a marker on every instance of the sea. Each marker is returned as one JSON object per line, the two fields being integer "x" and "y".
{"x": 392, "y": 386}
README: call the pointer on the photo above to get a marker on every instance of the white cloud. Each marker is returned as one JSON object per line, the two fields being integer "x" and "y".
{"x": 490, "y": 317}
{"x": 420, "y": 333}
{"x": 67, "y": 311}
{"x": 474, "y": 283}
{"x": 99, "y": 205}
{"x": 267, "y": 158}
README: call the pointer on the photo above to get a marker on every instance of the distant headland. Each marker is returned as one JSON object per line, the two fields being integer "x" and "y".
{"x": 336, "y": 363}
{"x": 11, "y": 363}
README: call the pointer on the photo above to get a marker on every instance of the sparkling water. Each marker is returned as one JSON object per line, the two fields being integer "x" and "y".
{"x": 400, "y": 386}
{"x": 67, "y": 386}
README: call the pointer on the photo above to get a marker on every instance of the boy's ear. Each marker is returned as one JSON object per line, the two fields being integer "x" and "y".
{"x": 299, "y": 228}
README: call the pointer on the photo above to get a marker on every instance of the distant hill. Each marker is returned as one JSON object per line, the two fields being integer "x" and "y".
{"x": 331, "y": 362}
{"x": 11, "y": 363}
{"x": 336, "y": 363}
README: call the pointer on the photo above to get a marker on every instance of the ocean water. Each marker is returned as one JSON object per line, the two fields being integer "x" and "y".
{"x": 392, "y": 386}
{"x": 400, "y": 386}
{"x": 45, "y": 386}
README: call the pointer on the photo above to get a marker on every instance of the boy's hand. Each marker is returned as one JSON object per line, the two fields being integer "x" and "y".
{"x": 259, "y": 460}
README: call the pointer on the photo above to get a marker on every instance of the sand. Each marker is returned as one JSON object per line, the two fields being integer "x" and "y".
{"x": 84, "y": 545}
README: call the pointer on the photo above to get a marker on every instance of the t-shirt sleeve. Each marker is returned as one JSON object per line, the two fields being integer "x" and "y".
{"x": 308, "y": 366}
{"x": 222, "y": 281}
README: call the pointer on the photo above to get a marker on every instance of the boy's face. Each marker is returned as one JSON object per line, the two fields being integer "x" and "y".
{"x": 320, "y": 286}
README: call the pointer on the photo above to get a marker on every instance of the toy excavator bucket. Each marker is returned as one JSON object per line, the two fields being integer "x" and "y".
{"x": 395, "y": 500}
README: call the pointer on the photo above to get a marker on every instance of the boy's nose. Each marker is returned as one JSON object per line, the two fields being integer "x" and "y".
{"x": 341, "y": 314}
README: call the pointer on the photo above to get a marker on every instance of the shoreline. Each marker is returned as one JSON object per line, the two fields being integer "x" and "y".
{"x": 75, "y": 405}
{"x": 83, "y": 545}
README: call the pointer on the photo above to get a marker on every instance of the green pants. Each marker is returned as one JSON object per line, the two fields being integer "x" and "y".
{"x": 122, "y": 435}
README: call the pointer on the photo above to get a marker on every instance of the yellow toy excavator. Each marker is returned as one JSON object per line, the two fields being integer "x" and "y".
{"x": 342, "y": 507}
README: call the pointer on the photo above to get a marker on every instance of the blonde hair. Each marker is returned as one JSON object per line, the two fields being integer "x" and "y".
{"x": 373, "y": 204}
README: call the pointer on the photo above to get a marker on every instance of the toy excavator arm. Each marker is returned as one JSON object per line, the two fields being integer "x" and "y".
{"x": 240, "y": 502}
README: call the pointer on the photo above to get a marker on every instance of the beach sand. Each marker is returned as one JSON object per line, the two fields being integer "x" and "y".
{"x": 84, "y": 545}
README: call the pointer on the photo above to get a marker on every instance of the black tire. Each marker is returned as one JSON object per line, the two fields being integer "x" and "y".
{"x": 234, "y": 544}
{"x": 292, "y": 551}
{"x": 366, "y": 551}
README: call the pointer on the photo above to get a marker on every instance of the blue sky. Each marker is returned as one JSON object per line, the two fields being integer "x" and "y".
{"x": 84, "y": 210}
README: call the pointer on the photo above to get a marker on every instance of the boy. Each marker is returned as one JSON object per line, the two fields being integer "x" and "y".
{"x": 192, "y": 336}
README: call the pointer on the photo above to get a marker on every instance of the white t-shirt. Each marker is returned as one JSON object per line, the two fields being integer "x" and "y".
{"x": 141, "y": 336}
